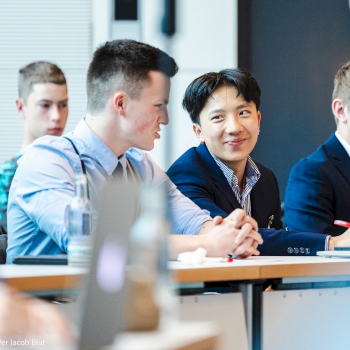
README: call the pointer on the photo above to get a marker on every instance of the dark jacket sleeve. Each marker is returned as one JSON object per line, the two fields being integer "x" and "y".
{"x": 188, "y": 175}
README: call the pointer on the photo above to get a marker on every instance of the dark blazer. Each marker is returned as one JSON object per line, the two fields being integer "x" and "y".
{"x": 318, "y": 190}
{"x": 198, "y": 177}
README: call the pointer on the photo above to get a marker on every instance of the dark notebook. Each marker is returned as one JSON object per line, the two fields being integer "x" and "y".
{"x": 60, "y": 259}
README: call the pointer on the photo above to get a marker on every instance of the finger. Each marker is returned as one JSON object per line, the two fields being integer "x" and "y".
{"x": 242, "y": 248}
{"x": 250, "y": 220}
{"x": 256, "y": 236}
{"x": 218, "y": 220}
{"x": 237, "y": 216}
{"x": 243, "y": 233}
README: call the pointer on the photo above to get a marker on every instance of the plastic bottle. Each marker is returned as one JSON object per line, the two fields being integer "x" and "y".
{"x": 80, "y": 224}
{"x": 149, "y": 252}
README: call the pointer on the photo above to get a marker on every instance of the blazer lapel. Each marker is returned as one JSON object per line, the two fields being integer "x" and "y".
{"x": 217, "y": 176}
{"x": 338, "y": 156}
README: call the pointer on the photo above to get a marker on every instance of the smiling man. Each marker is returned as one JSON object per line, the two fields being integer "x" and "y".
{"x": 220, "y": 176}
{"x": 128, "y": 86}
{"x": 43, "y": 104}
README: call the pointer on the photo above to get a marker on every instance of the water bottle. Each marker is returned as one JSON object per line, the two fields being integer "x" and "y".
{"x": 149, "y": 253}
{"x": 80, "y": 224}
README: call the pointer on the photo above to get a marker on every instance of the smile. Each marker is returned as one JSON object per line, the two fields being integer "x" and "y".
{"x": 235, "y": 143}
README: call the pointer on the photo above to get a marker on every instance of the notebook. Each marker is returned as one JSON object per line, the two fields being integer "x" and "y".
{"x": 104, "y": 301}
{"x": 334, "y": 253}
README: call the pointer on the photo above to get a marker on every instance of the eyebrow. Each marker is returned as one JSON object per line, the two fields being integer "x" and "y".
{"x": 50, "y": 101}
{"x": 215, "y": 111}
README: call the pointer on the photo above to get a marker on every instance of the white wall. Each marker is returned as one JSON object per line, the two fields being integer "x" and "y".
{"x": 31, "y": 30}
{"x": 205, "y": 40}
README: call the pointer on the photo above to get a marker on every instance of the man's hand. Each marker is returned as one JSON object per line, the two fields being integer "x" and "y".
{"x": 340, "y": 241}
{"x": 235, "y": 234}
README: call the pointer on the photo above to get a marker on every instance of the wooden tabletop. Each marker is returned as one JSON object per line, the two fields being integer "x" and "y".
{"x": 48, "y": 277}
{"x": 42, "y": 277}
{"x": 260, "y": 267}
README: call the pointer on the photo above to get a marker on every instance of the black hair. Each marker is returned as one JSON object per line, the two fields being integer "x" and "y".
{"x": 198, "y": 92}
{"x": 123, "y": 64}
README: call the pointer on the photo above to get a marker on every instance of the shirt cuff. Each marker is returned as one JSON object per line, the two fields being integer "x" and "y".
{"x": 326, "y": 243}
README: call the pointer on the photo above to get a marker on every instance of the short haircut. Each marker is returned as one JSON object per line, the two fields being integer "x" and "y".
{"x": 342, "y": 86}
{"x": 40, "y": 72}
{"x": 199, "y": 91}
{"x": 125, "y": 65}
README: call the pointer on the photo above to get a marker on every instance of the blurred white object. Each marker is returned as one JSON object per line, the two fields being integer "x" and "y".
{"x": 193, "y": 258}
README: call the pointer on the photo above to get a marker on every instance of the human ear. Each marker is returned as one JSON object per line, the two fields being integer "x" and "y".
{"x": 20, "y": 107}
{"x": 119, "y": 102}
{"x": 338, "y": 108}
{"x": 198, "y": 132}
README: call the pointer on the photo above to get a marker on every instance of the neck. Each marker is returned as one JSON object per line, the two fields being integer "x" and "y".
{"x": 344, "y": 132}
{"x": 106, "y": 128}
{"x": 27, "y": 141}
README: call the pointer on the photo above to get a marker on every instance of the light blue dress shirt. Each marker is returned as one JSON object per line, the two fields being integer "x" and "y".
{"x": 43, "y": 188}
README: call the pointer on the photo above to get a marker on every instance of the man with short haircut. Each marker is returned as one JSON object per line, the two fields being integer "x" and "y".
{"x": 219, "y": 175}
{"x": 318, "y": 188}
{"x": 43, "y": 104}
{"x": 128, "y": 86}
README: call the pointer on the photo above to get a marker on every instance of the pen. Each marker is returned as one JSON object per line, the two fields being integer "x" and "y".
{"x": 342, "y": 223}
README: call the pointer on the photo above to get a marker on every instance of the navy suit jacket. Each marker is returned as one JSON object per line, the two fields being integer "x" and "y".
{"x": 318, "y": 190}
{"x": 198, "y": 177}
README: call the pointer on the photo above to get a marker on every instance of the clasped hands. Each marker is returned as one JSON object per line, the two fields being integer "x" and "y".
{"x": 236, "y": 234}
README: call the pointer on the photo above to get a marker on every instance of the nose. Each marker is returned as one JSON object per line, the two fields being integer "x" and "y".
{"x": 55, "y": 113}
{"x": 164, "y": 117}
{"x": 233, "y": 125}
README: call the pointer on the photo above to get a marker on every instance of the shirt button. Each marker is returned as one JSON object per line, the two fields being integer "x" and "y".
{"x": 290, "y": 250}
{"x": 307, "y": 250}
{"x": 296, "y": 251}
{"x": 301, "y": 250}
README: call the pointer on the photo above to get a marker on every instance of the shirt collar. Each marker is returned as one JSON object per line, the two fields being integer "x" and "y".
{"x": 252, "y": 172}
{"x": 343, "y": 142}
{"x": 104, "y": 155}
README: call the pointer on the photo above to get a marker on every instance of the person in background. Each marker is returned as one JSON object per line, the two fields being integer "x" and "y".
{"x": 219, "y": 175}
{"x": 43, "y": 104}
{"x": 128, "y": 85}
{"x": 318, "y": 188}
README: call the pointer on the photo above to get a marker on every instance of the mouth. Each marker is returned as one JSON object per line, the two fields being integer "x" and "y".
{"x": 236, "y": 142}
{"x": 156, "y": 134}
{"x": 55, "y": 131}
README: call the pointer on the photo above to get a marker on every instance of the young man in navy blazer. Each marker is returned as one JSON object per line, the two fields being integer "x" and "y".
{"x": 219, "y": 175}
{"x": 318, "y": 188}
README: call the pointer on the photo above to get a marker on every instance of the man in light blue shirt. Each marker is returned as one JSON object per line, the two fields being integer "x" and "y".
{"x": 128, "y": 85}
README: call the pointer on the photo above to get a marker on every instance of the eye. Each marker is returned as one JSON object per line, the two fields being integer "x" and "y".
{"x": 244, "y": 113}
{"x": 217, "y": 117}
{"x": 63, "y": 105}
{"x": 44, "y": 105}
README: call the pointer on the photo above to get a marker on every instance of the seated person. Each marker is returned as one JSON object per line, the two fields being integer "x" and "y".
{"x": 128, "y": 85}
{"x": 43, "y": 104}
{"x": 318, "y": 188}
{"x": 219, "y": 175}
